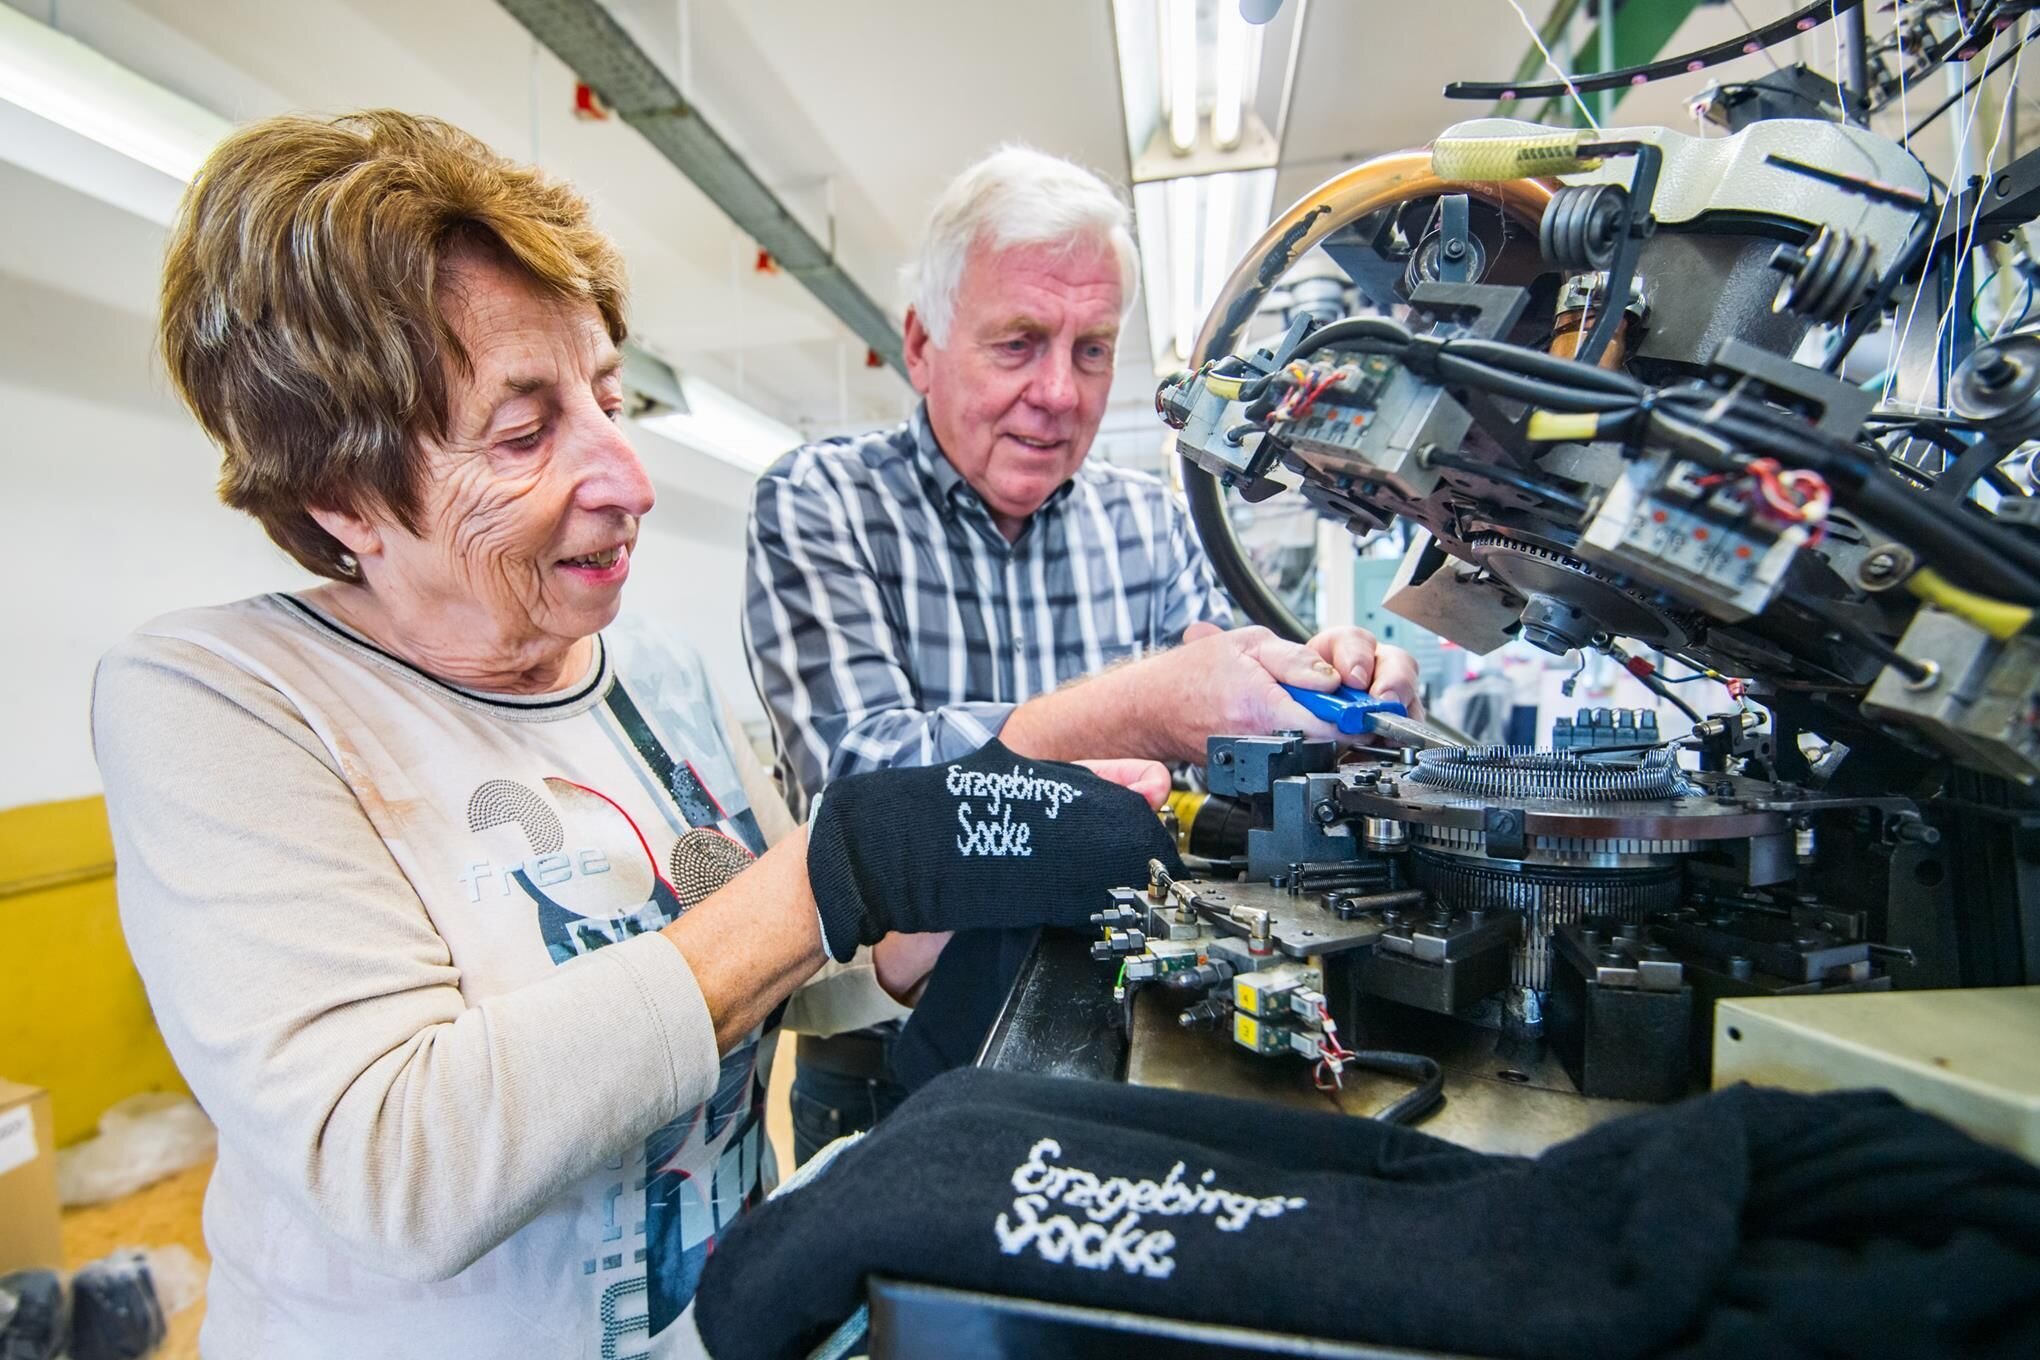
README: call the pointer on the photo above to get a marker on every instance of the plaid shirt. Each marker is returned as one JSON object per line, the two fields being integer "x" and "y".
{"x": 889, "y": 622}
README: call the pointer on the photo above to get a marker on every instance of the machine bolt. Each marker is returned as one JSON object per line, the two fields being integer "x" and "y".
{"x": 1325, "y": 812}
{"x": 1740, "y": 968}
{"x": 1884, "y": 567}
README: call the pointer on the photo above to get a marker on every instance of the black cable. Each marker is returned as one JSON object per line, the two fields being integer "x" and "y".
{"x": 1353, "y": 328}
{"x": 1879, "y": 648}
{"x": 1507, "y": 477}
{"x": 1465, "y": 372}
{"x": 1537, "y": 364}
{"x": 1966, "y": 546}
{"x": 1663, "y": 691}
{"x": 1412, "y": 1107}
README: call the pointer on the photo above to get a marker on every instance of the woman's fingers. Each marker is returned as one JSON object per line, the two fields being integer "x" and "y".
{"x": 1148, "y": 778}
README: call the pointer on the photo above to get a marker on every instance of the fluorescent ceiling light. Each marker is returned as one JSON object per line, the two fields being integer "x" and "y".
{"x": 59, "y": 79}
{"x": 722, "y": 427}
{"x": 1179, "y": 33}
{"x": 1191, "y": 89}
{"x": 1236, "y": 68}
{"x": 1192, "y": 231}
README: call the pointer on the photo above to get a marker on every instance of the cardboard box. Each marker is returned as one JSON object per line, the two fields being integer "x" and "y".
{"x": 29, "y": 1236}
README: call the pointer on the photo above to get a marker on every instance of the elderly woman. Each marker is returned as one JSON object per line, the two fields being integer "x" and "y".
{"x": 442, "y": 886}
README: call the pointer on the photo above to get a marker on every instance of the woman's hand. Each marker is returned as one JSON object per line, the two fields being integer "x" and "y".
{"x": 1148, "y": 778}
{"x": 994, "y": 841}
{"x": 903, "y": 962}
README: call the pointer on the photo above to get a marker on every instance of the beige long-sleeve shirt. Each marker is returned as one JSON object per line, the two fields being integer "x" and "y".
{"x": 401, "y": 939}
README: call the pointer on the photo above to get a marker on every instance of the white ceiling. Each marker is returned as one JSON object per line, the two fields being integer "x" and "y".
{"x": 856, "y": 112}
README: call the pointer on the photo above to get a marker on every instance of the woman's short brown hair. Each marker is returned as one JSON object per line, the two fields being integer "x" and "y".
{"x": 301, "y": 321}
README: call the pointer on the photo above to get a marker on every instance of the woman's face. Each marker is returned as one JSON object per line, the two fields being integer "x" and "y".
{"x": 531, "y": 503}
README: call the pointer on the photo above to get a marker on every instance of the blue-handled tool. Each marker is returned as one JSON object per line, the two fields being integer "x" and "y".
{"x": 1350, "y": 710}
{"x": 1355, "y": 712}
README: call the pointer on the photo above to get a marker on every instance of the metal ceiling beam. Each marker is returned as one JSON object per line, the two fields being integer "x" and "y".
{"x": 587, "y": 37}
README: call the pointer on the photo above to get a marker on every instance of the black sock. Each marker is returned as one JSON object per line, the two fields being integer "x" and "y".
{"x": 993, "y": 842}
{"x": 1741, "y": 1223}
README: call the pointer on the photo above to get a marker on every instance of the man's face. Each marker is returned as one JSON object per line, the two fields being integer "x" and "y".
{"x": 1016, "y": 394}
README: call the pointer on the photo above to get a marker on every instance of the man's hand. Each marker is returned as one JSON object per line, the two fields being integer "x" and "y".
{"x": 1383, "y": 671}
{"x": 1218, "y": 682}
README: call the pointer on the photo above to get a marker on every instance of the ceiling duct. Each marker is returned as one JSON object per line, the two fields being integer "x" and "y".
{"x": 596, "y": 47}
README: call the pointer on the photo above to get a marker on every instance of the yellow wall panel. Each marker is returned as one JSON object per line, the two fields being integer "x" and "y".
{"x": 73, "y": 1017}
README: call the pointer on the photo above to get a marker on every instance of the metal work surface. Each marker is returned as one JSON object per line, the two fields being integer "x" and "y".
{"x": 1522, "y": 1114}
{"x": 1059, "y": 1019}
{"x": 1299, "y": 924}
{"x": 928, "y": 1322}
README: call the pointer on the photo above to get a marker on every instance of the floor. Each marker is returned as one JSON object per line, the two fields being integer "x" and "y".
{"x": 168, "y": 1212}
{"x": 165, "y": 1214}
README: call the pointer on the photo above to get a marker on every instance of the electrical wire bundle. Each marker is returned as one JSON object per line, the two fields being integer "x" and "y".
{"x": 1722, "y": 430}
{"x": 1789, "y": 495}
{"x": 1306, "y": 383}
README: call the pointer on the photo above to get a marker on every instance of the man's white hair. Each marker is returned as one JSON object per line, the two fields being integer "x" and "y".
{"x": 1016, "y": 196}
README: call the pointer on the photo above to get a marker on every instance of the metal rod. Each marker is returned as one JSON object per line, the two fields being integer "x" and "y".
{"x": 1856, "y": 62}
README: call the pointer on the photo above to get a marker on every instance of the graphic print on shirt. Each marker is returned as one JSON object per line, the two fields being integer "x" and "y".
{"x": 594, "y": 878}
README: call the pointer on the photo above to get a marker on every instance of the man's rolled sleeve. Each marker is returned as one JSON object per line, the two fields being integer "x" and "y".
{"x": 828, "y": 662}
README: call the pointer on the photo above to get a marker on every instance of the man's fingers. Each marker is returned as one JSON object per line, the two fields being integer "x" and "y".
{"x": 1351, "y": 652}
{"x": 1148, "y": 778}
{"x": 1395, "y": 677}
{"x": 1292, "y": 663}
{"x": 1200, "y": 629}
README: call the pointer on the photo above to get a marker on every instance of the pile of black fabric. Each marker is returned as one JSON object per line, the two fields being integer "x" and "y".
{"x": 1743, "y": 1223}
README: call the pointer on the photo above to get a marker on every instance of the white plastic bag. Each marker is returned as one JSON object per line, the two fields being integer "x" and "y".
{"x": 141, "y": 1140}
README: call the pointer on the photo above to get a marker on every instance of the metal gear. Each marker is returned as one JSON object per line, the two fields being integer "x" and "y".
{"x": 1569, "y": 601}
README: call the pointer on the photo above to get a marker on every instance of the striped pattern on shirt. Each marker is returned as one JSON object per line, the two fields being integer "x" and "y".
{"x": 889, "y": 623}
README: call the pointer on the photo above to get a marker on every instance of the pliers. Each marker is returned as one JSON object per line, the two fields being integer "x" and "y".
{"x": 1355, "y": 712}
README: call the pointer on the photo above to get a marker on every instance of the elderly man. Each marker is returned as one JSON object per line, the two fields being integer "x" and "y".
{"x": 967, "y": 575}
